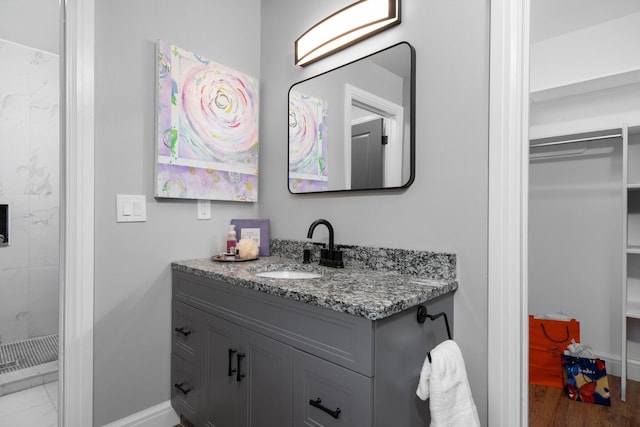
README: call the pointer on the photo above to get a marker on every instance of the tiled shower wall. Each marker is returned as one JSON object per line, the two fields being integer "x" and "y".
{"x": 29, "y": 183}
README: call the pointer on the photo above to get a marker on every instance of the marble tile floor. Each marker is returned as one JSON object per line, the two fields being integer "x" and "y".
{"x": 22, "y": 379}
{"x": 33, "y": 407}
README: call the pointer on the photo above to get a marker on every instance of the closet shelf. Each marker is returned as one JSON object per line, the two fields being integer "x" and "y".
{"x": 633, "y": 309}
{"x": 631, "y": 269}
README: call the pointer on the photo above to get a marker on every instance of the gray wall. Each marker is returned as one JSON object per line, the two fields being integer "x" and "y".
{"x": 33, "y": 23}
{"x": 575, "y": 236}
{"x": 132, "y": 260}
{"x": 444, "y": 210}
{"x": 446, "y": 207}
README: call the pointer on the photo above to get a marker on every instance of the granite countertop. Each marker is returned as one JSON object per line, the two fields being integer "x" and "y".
{"x": 372, "y": 294}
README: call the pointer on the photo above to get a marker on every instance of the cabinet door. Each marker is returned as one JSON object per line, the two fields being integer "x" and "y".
{"x": 186, "y": 389}
{"x": 222, "y": 391}
{"x": 268, "y": 381}
{"x": 326, "y": 394}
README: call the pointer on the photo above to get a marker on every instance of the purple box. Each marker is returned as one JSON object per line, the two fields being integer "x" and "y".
{"x": 256, "y": 229}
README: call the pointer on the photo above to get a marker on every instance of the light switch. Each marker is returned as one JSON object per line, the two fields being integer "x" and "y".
{"x": 131, "y": 208}
{"x": 137, "y": 208}
{"x": 126, "y": 207}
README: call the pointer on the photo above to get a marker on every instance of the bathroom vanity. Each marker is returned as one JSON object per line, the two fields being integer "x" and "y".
{"x": 344, "y": 349}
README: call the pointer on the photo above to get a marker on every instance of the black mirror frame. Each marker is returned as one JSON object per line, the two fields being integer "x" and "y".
{"x": 412, "y": 125}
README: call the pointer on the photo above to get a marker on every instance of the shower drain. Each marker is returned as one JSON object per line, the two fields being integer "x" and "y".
{"x": 9, "y": 364}
{"x": 31, "y": 352}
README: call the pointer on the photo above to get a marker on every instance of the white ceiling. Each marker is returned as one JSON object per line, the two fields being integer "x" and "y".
{"x": 551, "y": 18}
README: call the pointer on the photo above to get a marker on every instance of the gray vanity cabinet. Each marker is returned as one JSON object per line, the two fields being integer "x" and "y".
{"x": 247, "y": 358}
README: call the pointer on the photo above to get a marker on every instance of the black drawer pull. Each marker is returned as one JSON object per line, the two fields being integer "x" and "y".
{"x": 182, "y": 389}
{"x": 318, "y": 404}
{"x": 239, "y": 358}
{"x": 231, "y": 371}
{"x": 182, "y": 331}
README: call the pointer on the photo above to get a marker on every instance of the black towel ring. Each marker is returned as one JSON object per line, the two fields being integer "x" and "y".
{"x": 422, "y": 315}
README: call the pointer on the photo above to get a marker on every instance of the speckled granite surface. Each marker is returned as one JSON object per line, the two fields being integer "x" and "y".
{"x": 369, "y": 292}
{"x": 433, "y": 265}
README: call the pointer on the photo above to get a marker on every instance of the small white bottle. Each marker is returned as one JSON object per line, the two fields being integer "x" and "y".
{"x": 231, "y": 240}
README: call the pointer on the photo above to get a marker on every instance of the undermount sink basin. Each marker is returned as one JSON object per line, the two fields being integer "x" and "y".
{"x": 285, "y": 274}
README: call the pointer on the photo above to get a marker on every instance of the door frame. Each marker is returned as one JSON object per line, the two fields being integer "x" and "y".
{"x": 507, "y": 373}
{"x": 77, "y": 214}
{"x": 394, "y": 117}
{"x": 507, "y": 254}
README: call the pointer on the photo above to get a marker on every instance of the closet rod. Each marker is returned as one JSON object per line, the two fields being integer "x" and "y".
{"x": 569, "y": 141}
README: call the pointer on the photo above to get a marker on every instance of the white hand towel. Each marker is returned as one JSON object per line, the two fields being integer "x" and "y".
{"x": 444, "y": 381}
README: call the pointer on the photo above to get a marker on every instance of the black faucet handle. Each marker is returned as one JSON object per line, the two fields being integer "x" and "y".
{"x": 336, "y": 259}
{"x": 330, "y": 258}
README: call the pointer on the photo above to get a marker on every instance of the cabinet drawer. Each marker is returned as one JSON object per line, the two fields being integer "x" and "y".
{"x": 185, "y": 389}
{"x": 326, "y": 394}
{"x": 184, "y": 331}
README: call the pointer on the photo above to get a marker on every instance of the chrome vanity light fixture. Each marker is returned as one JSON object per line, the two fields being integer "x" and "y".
{"x": 347, "y": 26}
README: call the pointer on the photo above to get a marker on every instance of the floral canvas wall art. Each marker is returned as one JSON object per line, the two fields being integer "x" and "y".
{"x": 207, "y": 129}
{"x": 307, "y": 143}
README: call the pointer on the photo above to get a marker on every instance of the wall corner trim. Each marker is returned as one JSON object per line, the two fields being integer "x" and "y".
{"x": 77, "y": 215}
{"x": 507, "y": 247}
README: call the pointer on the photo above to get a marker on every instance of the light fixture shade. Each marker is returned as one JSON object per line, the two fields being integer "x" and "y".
{"x": 347, "y": 26}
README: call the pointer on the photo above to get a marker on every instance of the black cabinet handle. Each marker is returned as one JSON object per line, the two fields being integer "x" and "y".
{"x": 181, "y": 388}
{"x": 318, "y": 404}
{"x": 239, "y": 358}
{"x": 183, "y": 331}
{"x": 231, "y": 353}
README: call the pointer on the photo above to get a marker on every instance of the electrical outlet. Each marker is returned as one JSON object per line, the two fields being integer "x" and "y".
{"x": 204, "y": 209}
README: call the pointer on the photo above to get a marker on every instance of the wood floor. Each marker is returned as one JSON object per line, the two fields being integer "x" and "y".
{"x": 551, "y": 407}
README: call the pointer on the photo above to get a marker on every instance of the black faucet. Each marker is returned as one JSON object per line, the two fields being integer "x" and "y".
{"x": 328, "y": 257}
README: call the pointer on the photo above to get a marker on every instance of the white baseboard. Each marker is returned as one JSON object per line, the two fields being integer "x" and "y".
{"x": 614, "y": 366}
{"x": 161, "y": 415}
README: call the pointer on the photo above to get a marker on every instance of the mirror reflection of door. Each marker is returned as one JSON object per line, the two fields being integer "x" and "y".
{"x": 367, "y": 151}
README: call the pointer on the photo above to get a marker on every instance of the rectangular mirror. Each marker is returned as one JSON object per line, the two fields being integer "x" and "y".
{"x": 352, "y": 128}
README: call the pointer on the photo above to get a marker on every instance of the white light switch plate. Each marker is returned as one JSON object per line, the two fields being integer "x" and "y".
{"x": 131, "y": 208}
{"x": 204, "y": 209}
